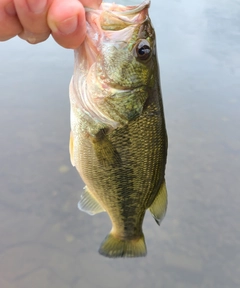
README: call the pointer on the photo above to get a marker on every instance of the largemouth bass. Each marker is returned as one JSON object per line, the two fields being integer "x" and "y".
{"x": 118, "y": 140}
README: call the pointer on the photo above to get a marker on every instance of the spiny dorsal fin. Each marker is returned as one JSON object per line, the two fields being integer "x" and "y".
{"x": 159, "y": 206}
{"x": 89, "y": 204}
{"x": 71, "y": 144}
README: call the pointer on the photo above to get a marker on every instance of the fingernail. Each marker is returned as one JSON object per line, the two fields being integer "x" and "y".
{"x": 33, "y": 38}
{"x": 37, "y": 6}
{"x": 68, "y": 26}
{"x": 10, "y": 9}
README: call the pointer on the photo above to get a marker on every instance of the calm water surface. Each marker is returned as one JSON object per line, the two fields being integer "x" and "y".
{"x": 46, "y": 242}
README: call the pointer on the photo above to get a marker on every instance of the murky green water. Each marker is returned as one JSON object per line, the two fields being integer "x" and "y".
{"x": 46, "y": 242}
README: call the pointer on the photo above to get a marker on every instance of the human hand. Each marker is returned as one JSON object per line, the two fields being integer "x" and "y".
{"x": 35, "y": 20}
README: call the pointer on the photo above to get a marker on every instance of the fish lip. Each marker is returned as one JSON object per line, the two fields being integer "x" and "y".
{"x": 130, "y": 15}
{"x": 127, "y": 10}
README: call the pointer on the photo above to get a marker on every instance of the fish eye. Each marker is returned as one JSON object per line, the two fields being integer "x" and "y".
{"x": 143, "y": 50}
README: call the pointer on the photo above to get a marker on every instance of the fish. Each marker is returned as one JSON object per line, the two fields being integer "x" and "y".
{"x": 118, "y": 139}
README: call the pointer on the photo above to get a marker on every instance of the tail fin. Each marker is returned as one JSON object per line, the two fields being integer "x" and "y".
{"x": 114, "y": 247}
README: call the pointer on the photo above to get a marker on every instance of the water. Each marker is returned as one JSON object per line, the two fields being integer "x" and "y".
{"x": 46, "y": 242}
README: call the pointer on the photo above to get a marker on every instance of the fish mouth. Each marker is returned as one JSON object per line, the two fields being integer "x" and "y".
{"x": 111, "y": 22}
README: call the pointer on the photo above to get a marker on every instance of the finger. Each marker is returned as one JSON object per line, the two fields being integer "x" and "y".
{"x": 9, "y": 23}
{"x": 33, "y": 17}
{"x": 66, "y": 18}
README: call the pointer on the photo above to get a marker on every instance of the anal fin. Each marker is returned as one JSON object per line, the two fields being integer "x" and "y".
{"x": 89, "y": 204}
{"x": 158, "y": 208}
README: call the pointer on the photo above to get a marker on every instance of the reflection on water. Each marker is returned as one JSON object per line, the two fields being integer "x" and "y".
{"x": 46, "y": 242}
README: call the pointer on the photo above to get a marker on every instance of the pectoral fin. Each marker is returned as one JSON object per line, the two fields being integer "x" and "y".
{"x": 71, "y": 148}
{"x": 159, "y": 206}
{"x": 89, "y": 204}
{"x": 105, "y": 151}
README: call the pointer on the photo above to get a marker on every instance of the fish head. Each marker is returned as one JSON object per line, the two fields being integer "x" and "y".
{"x": 116, "y": 65}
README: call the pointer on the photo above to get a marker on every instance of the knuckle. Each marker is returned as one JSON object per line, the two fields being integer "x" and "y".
{"x": 5, "y": 38}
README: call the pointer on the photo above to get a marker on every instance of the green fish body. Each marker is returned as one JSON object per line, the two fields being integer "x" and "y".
{"x": 118, "y": 140}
